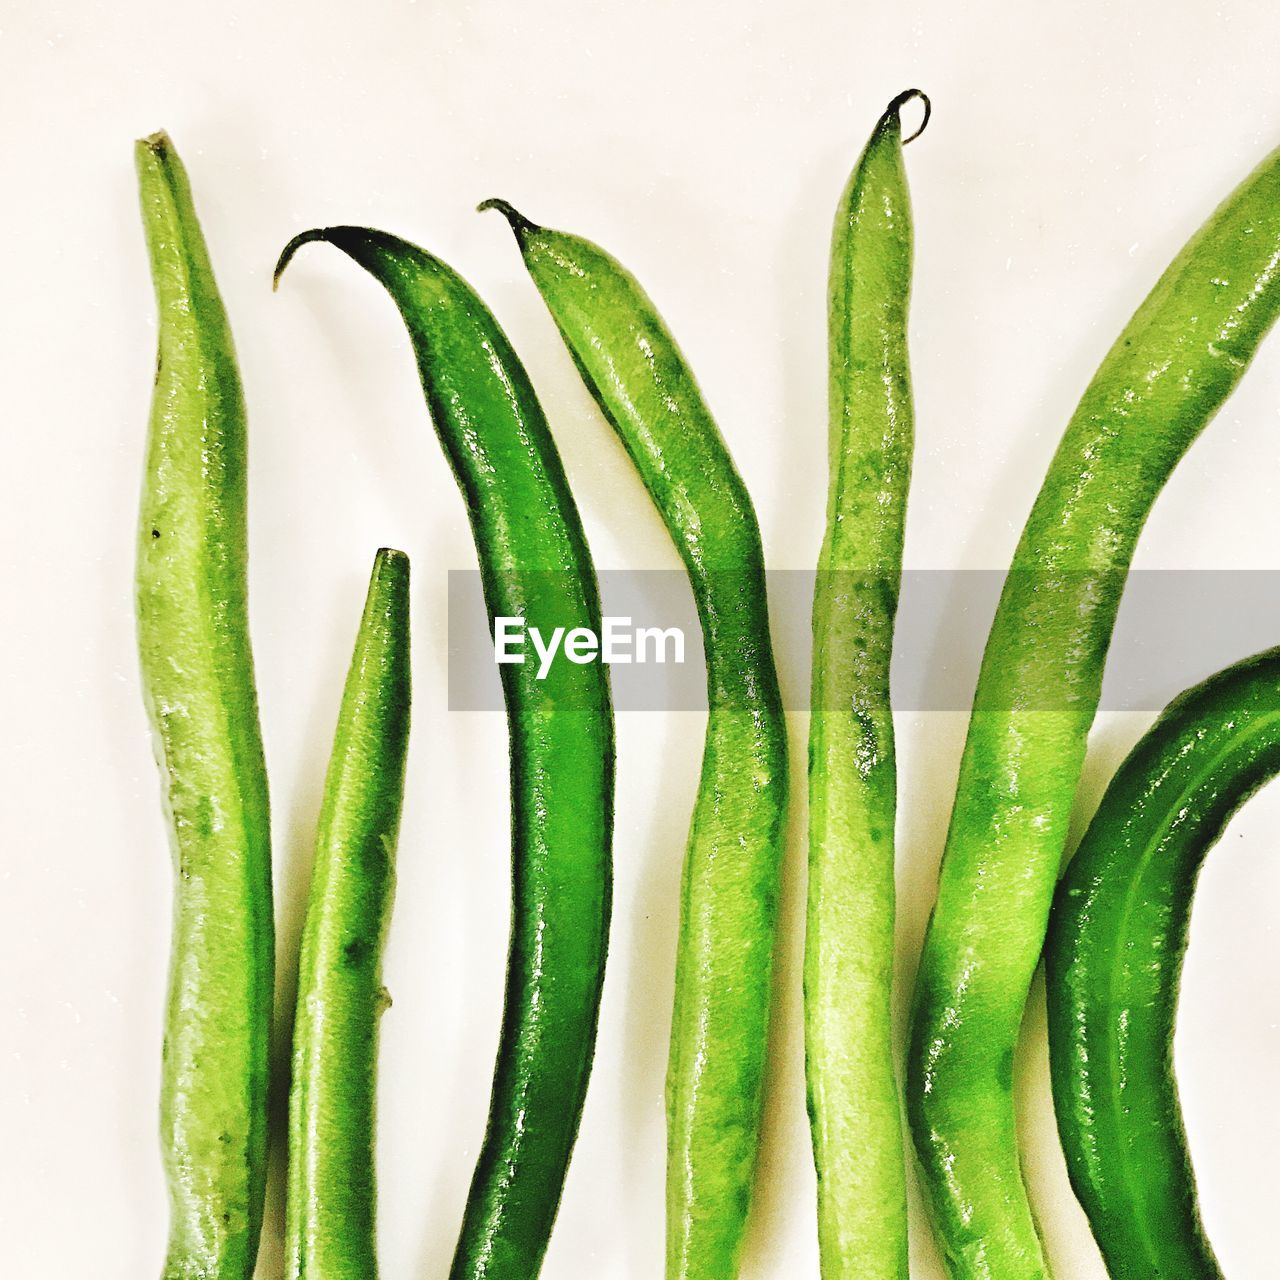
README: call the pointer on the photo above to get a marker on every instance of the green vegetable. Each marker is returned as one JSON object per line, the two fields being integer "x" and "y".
{"x": 197, "y": 679}
{"x": 1117, "y": 937}
{"x": 534, "y": 564}
{"x": 848, "y": 971}
{"x": 1173, "y": 366}
{"x": 729, "y": 900}
{"x": 340, "y": 995}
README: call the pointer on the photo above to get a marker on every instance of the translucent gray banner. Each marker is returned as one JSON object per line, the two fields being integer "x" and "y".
{"x": 1173, "y": 629}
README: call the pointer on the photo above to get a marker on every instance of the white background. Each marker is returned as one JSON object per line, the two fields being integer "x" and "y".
{"x": 1073, "y": 148}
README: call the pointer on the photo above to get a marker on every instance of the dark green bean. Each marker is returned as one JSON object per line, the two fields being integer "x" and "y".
{"x": 535, "y": 565}
{"x": 1117, "y": 938}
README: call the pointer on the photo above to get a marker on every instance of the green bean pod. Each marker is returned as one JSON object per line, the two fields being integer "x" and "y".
{"x": 330, "y": 1217}
{"x": 1117, "y": 938}
{"x": 849, "y": 942}
{"x": 534, "y": 564}
{"x": 729, "y": 896}
{"x": 197, "y": 680}
{"x": 1163, "y": 380}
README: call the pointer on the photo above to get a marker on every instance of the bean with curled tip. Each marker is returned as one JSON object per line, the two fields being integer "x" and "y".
{"x": 535, "y": 565}
{"x": 849, "y": 943}
{"x": 729, "y": 897}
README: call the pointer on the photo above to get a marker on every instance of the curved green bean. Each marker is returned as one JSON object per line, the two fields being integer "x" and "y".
{"x": 330, "y": 1210}
{"x": 197, "y": 679}
{"x": 729, "y": 897}
{"x": 1167, "y": 374}
{"x": 1117, "y": 938}
{"x": 849, "y": 943}
{"x": 534, "y": 564}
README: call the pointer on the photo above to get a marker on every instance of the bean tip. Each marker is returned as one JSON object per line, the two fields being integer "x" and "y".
{"x": 392, "y": 556}
{"x": 519, "y": 223}
{"x": 895, "y": 109}
{"x": 390, "y": 574}
{"x": 286, "y": 254}
{"x": 158, "y": 144}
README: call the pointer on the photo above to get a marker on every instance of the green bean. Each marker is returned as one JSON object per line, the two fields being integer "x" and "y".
{"x": 534, "y": 564}
{"x": 729, "y": 896}
{"x": 197, "y": 679}
{"x": 1172, "y": 367}
{"x": 330, "y": 1216}
{"x": 849, "y": 946}
{"x": 1117, "y": 938}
